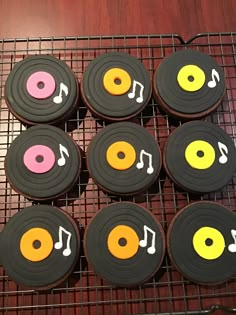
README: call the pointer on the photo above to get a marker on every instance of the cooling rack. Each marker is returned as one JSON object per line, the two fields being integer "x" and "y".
{"x": 85, "y": 293}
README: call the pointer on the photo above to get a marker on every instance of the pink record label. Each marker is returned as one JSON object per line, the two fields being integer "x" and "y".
{"x": 39, "y": 159}
{"x": 41, "y": 85}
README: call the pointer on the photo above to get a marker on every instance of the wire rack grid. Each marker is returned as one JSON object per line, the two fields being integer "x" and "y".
{"x": 84, "y": 292}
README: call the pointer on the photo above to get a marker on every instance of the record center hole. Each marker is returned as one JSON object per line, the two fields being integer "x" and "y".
{"x": 39, "y": 158}
{"x": 36, "y": 244}
{"x": 122, "y": 241}
{"x": 121, "y": 155}
{"x": 117, "y": 81}
{"x": 200, "y": 153}
{"x": 208, "y": 242}
{"x": 40, "y": 85}
{"x": 190, "y": 78}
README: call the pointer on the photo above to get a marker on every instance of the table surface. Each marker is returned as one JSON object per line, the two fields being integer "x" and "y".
{"x": 29, "y": 18}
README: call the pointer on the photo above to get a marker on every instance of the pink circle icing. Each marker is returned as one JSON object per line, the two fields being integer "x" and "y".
{"x": 47, "y": 82}
{"x": 42, "y": 151}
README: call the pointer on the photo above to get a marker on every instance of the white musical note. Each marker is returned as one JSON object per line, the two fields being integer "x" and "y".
{"x": 59, "y": 244}
{"x": 62, "y": 161}
{"x": 143, "y": 243}
{"x": 232, "y": 247}
{"x": 132, "y": 93}
{"x": 63, "y": 88}
{"x": 215, "y": 76}
{"x": 223, "y": 150}
{"x": 140, "y": 164}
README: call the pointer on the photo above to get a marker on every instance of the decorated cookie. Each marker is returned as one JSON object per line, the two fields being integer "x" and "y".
{"x": 39, "y": 247}
{"x": 116, "y": 86}
{"x": 124, "y": 159}
{"x": 43, "y": 163}
{"x": 41, "y": 90}
{"x": 189, "y": 84}
{"x": 200, "y": 157}
{"x": 125, "y": 244}
{"x": 201, "y": 242}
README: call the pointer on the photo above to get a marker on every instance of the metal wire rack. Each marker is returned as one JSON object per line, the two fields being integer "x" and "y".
{"x": 84, "y": 292}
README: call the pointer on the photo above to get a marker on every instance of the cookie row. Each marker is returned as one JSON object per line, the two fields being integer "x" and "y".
{"x": 115, "y": 86}
{"x": 124, "y": 243}
{"x": 124, "y": 159}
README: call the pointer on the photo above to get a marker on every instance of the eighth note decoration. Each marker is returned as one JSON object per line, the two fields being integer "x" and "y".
{"x": 200, "y": 157}
{"x": 189, "y": 85}
{"x": 201, "y": 242}
{"x": 125, "y": 244}
{"x": 43, "y": 163}
{"x": 116, "y": 86}
{"x": 124, "y": 159}
{"x": 39, "y": 247}
{"x": 42, "y": 89}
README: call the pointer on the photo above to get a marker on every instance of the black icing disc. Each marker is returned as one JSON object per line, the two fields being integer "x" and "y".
{"x": 189, "y": 84}
{"x": 42, "y": 163}
{"x": 201, "y": 242}
{"x": 41, "y": 89}
{"x": 40, "y": 246}
{"x": 125, "y": 244}
{"x": 116, "y": 86}
{"x": 200, "y": 157}
{"x": 124, "y": 159}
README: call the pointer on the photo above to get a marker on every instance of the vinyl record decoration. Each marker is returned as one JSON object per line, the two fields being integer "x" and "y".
{"x": 200, "y": 157}
{"x": 42, "y": 89}
{"x": 116, "y": 86}
{"x": 124, "y": 159}
{"x": 43, "y": 163}
{"x": 189, "y": 84}
{"x": 125, "y": 244}
{"x": 201, "y": 242}
{"x": 39, "y": 247}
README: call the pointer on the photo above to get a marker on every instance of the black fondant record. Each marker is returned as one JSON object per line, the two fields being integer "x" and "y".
{"x": 116, "y": 86}
{"x": 42, "y": 89}
{"x": 189, "y": 84}
{"x": 125, "y": 244}
{"x": 200, "y": 157}
{"x": 201, "y": 242}
{"x": 124, "y": 159}
{"x": 40, "y": 247}
{"x": 43, "y": 163}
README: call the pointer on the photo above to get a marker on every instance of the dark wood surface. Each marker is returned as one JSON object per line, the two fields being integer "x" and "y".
{"x": 46, "y": 18}
{"x": 29, "y": 18}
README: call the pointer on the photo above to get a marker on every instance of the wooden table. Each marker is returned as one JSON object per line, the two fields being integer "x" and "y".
{"x": 29, "y": 18}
